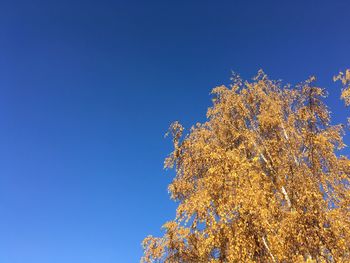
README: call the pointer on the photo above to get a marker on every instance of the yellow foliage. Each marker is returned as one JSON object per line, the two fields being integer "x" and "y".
{"x": 260, "y": 180}
{"x": 345, "y": 79}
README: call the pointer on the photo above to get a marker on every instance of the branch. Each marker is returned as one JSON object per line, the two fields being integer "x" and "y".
{"x": 268, "y": 249}
{"x": 286, "y": 197}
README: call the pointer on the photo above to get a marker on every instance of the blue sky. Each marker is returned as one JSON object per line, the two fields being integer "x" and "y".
{"x": 88, "y": 89}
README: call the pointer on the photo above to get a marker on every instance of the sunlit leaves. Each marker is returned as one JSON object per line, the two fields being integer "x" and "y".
{"x": 345, "y": 79}
{"x": 260, "y": 180}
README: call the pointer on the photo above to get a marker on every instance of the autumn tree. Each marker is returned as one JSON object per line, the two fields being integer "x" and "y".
{"x": 345, "y": 79}
{"x": 260, "y": 180}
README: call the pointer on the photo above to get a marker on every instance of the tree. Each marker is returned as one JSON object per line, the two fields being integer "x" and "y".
{"x": 345, "y": 79}
{"x": 259, "y": 181}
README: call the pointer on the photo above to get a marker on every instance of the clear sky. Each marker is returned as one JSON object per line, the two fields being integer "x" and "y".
{"x": 89, "y": 88}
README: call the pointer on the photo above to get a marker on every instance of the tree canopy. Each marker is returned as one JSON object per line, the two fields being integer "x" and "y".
{"x": 261, "y": 180}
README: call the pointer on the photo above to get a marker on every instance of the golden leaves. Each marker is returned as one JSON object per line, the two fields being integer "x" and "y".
{"x": 260, "y": 181}
{"x": 345, "y": 79}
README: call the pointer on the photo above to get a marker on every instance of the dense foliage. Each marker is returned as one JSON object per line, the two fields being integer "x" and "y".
{"x": 260, "y": 180}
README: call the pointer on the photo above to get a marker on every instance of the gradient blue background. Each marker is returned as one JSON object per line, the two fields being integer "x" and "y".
{"x": 88, "y": 89}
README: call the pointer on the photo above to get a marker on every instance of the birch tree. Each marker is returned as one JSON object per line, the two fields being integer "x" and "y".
{"x": 259, "y": 181}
